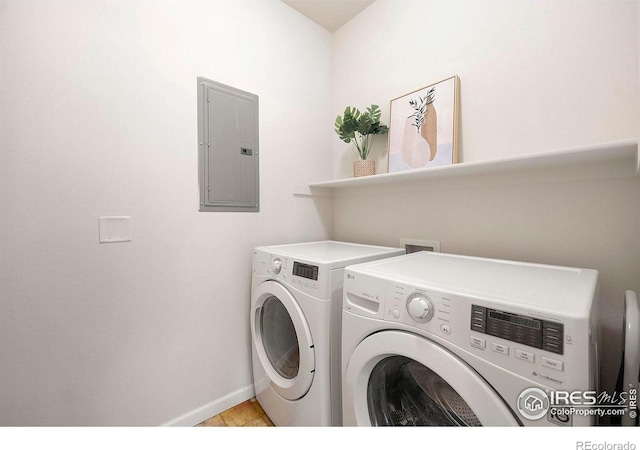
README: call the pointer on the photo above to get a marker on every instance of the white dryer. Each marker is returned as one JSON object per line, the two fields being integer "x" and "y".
{"x": 437, "y": 339}
{"x": 296, "y": 304}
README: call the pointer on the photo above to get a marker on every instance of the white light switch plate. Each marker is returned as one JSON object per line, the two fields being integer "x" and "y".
{"x": 114, "y": 229}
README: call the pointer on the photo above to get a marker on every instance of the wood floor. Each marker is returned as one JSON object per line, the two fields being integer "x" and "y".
{"x": 246, "y": 414}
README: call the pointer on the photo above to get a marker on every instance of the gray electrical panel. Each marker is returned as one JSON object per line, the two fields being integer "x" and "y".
{"x": 227, "y": 148}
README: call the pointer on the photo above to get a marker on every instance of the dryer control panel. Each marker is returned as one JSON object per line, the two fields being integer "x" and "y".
{"x": 308, "y": 271}
{"x": 302, "y": 275}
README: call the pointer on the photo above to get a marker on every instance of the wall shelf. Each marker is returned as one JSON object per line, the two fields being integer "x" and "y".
{"x": 608, "y": 160}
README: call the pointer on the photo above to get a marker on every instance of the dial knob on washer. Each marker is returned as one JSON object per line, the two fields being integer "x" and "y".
{"x": 420, "y": 307}
{"x": 276, "y": 264}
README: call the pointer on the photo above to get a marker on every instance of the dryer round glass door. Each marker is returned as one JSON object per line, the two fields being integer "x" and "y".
{"x": 279, "y": 338}
{"x": 283, "y": 341}
{"x": 395, "y": 378}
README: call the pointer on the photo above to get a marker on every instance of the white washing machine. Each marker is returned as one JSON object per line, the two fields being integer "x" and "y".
{"x": 436, "y": 339}
{"x": 296, "y": 304}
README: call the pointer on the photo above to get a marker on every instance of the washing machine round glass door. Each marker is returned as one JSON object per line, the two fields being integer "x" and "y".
{"x": 401, "y": 379}
{"x": 283, "y": 341}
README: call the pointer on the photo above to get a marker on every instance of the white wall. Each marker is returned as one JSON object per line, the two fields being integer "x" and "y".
{"x": 98, "y": 117}
{"x": 535, "y": 76}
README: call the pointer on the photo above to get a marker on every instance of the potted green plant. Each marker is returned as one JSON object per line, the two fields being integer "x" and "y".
{"x": 361, "y": 129}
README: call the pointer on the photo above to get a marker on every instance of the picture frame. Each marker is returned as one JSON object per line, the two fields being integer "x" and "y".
{"x": 423, "y": 128}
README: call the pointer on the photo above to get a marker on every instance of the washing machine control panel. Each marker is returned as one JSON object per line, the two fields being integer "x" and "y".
{"x": 525, "y": 341}
{"x": 425, "y": 309}
{"x": 420, "y": 307}
{"x": 521, "y": 329}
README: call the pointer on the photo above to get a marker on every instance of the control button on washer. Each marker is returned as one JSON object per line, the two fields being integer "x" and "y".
{"x": 553, "y": 364}
{"x": 446, "y": 329}
{"x": 477, "y": 342}
{"x": 499, "y": 348}
{"x": 395, "y": 313}
{"x": 525, "y": 356}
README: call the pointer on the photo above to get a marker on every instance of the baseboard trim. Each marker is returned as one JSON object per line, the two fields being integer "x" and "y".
{"x": 211, "y": 409}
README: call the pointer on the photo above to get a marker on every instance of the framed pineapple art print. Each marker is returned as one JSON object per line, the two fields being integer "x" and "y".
{"x": 423, "y": 129}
